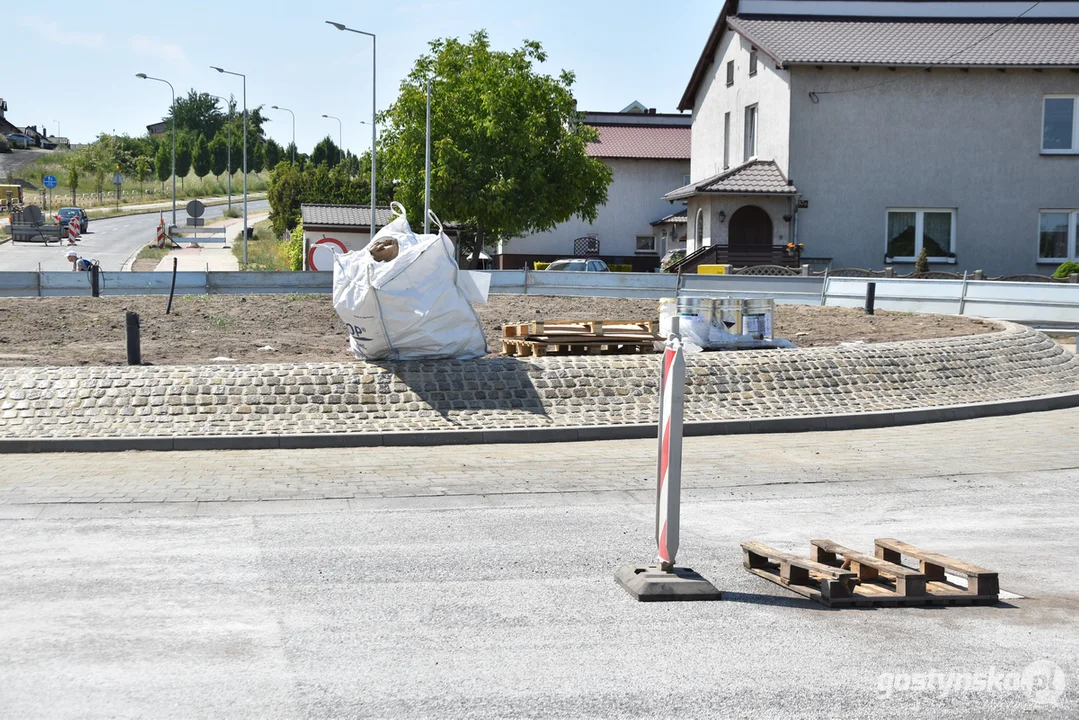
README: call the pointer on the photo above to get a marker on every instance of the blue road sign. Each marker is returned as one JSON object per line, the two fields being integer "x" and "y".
{"x": 50, "y": 181}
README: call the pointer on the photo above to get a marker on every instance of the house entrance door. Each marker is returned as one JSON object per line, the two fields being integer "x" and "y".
{"x": 750, "y": 230}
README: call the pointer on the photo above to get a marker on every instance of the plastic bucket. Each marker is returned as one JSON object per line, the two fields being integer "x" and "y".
{"x": 758, "y": 318}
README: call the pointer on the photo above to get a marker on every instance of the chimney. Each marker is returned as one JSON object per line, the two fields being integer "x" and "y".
{"x": 651, "y": 111}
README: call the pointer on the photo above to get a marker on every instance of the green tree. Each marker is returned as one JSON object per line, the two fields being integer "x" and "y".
{"x": 197, "y": 114}
{"x": 183, "y": 157}
{"x": 326, "y": 152}
{"x": 274, "y": 153}
{"x": 921, "y": 264}
{"x": 258, "y": 158}
{"x": 142, "y": 170}
{"x": 508, "y": 150}
{"x": 219, "y": 155}
{"x": 200, "y": 158}
{"x": 290, "y": 152}
{"x": 73, "y": 181}
{"x": 284, "y": 194}
{"x": 163, "y": 163}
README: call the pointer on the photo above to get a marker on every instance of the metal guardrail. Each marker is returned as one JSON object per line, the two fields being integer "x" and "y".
{"x": 1018, "y": 301}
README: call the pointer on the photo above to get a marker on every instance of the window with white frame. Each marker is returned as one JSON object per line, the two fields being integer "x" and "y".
{"x": 726, "y": 140}
{"x": 1060, "y": 124}
{"x": 730, "y": 72}
{"x": 698, "y": 230}
{"x": 911, "y": 229}
{"x": 752, "y": 63}
{"x": 1056, "y": 235}
{"x": 751, "y": 133}
{"x": 646, "y": 243}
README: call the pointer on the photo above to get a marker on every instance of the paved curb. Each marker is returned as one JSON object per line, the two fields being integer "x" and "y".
{"x": 811, "y": 423}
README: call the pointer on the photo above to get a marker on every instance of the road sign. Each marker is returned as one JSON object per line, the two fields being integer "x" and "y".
{"x": 117, "y": 179}
{"x": 50, "y": 181}
{"x": 195, "y": 209}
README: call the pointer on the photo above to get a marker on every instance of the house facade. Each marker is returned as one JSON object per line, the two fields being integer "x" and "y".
{"x": 868, "y": 131}
{"x": 648, "y": 153}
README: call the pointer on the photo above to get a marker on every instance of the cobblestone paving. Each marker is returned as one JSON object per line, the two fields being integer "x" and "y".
{"x": 499, "y": 473}
{"x": 509, "y": 393}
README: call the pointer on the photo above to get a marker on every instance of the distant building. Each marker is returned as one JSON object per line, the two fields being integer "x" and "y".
{"x": 157, "y": 129}
{"x": 648, "y": 153}
{"x": 6, "y": 128}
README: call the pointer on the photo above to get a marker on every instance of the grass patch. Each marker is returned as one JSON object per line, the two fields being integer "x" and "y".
{"x": 152, "y": 253}
{"x": 221, "y": 322}
{"x": 265, "y": 251}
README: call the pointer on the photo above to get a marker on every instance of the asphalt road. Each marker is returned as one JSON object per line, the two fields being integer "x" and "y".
{"x": 502, "y": 603}
{"x": 111, "y": 242}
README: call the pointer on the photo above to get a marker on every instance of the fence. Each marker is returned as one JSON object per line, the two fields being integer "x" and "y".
{"x": 1055, "y": 303}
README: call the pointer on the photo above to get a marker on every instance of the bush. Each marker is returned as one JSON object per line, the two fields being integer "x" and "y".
{"x": 1066, "y": 270}
{"x": 621, "y": 268}
{"x": 294, "y": 249}
{"x": 4, "y": 146}
{"x": 540, "y": 265}
{"x": 921, "y": 265}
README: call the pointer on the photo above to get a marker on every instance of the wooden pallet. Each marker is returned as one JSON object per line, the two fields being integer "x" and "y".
{"x": 837, "y": 576}
{"x": 576, "y": 345}
{"x": 579, "y": 337}
{"x": 580, "y": 327}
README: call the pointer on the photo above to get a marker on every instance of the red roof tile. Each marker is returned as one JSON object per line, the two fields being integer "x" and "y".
{"x": 641, "y": 141}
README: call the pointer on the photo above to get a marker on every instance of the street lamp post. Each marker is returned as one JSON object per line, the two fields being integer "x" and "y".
{"x": 374, "y": 112}
{"x": 275, "y": 107}
{"x": 144, "y": 76}
{"x": 241, "y": 75}
{"x": 340, "y": 139}
{"x": 228, "y": 156}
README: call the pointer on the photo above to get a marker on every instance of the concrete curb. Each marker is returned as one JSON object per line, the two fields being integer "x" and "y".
{"x": 510, "y": 436}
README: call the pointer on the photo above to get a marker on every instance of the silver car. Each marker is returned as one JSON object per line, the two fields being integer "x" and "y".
{"x": 579, "y": 265}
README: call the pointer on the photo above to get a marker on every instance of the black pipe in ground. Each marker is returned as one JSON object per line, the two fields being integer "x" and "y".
{"x": 134, "y": 341}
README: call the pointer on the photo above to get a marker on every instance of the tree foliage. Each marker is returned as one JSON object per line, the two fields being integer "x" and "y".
{"x": 163, "y": 162}
{"x": 508, "y": 147}
{"x": 219, "y": 155}
{"x": 197, "y": 114}
{"x": 326, "y": 152}
{"x": 274, "y": 153}
{"x": 200, "y": 157}
{"x": 183, "y": 157}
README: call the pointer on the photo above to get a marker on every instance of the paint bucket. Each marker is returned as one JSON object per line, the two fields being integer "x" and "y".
{"x": 727, "y": 315}
{"x": 758, "y": 318}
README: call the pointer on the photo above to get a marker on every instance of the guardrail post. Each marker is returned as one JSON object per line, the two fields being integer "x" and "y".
{"x": 963, "y": 294}
{"x": 134, "y": 340}
{"x": 95, "y": 281}
{"x": 528, "y": 276}
{"x": 870, "y": 297}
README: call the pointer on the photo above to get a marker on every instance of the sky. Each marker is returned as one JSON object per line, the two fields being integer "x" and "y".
{"x": 78, "y": 59}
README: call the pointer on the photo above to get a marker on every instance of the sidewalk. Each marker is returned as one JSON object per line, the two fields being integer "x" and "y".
{"x": 215, "y": 258}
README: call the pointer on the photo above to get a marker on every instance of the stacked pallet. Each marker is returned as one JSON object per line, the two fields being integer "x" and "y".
{"x": 579, "y": 337}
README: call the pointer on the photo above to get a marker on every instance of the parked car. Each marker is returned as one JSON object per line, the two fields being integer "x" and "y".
{"x": 579, "y": 265}
{"x": 64, "y": 215}
{"x": 20, "y": 141}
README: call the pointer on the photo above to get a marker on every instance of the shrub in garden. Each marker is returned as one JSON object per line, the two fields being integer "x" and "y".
{"x": 1066, "y": 270}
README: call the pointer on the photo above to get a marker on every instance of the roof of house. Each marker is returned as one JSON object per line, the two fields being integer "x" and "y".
{"x": 344, "y": 216}
{"x": 756, "y": 177}
{"x": 913, "y": 42}
{"x": 642, "y": 142}
{"x": 962, "y": 41}
{"x": 673, "y": 218}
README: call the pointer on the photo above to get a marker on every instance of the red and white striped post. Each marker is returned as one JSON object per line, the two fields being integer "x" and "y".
{"x": 669, "y": 483}
{"x": 74, "y": 229}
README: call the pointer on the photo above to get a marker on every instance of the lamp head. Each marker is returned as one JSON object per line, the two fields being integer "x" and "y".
{"x": 337, "y": 25}
{"x": 274, "y": 107}
{"x": 220, "y": 70}
{"x": 141, "y": 76}
{"x": 325, "y": 116}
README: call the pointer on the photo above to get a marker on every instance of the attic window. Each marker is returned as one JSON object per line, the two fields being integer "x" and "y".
{"x": 730, "y": 73}
{"x": 752, "y": 63}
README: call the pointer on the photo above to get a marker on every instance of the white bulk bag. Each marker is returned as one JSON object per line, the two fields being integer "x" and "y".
{"x": 410, "y": 307}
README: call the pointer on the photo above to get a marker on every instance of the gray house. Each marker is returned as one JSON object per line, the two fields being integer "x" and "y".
{"x": 871, "y": 130}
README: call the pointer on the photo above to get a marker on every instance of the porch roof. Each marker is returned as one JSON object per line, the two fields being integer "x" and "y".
{"x": 756, "y": 177}
{"x": 673, "y": 219}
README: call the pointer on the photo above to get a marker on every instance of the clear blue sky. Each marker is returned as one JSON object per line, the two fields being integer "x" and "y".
{"x": 77, "y": 60}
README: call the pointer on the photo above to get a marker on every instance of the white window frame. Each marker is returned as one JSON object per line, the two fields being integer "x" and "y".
{"x": 1073, "y": 231}
{"x": 753, "y": 60}
{"x": 652, "y": 241}
{"x": 1074, "y": 149}
{"x": 730, "y": 72}
{"x": 750, "y": 153}
{"x": 919, "y": 226}
{"x": 726, "y": 140}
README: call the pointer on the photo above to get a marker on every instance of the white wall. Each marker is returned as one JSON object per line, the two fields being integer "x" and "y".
{"x": 351, "y": 241}
{"x": 769, "y": 89}
{"x": 715, "y": 231}
{"x": 634, "y": 201}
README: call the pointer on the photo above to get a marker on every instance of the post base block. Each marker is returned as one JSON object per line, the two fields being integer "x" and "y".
{"x": 648, "y": 583}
